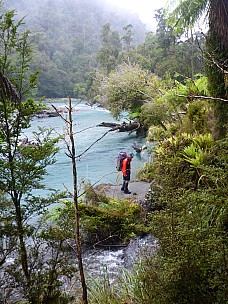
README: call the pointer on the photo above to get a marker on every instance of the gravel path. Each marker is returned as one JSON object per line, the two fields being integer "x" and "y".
{"x": 138, "y": 190}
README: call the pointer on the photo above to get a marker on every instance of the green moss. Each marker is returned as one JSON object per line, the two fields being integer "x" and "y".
{"x": 107, "y": 223}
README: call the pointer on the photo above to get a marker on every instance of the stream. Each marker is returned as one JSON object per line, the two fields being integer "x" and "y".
{"x": 97, "y": 261}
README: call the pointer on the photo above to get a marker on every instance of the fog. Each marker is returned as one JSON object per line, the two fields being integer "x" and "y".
{"x": 143, "y": 10}
{"x": 104, "y": 11}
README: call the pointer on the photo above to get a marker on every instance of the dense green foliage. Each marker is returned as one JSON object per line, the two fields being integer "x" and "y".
{"x": 161, "y": 83}
{"x": 191, "y": 173}
{"x": 216, "y": 49}
{"x": 73, "y": 39}
{"x": 67, "y": 37}
{"x": 127, "y": 88}
{"x": 189, "y": 170}
{"x": 23, "y": 165}
{"x": 104, "y": 223}
{"x": 188, "y": 216}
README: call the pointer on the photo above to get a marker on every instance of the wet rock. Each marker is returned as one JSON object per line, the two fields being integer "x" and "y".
{"x": 139, "y": 248}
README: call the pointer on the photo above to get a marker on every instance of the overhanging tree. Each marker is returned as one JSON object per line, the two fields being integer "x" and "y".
{"x": 127, "y": 89}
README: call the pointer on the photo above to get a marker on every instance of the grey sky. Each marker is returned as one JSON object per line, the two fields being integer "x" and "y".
{"x": 144, "y": 8}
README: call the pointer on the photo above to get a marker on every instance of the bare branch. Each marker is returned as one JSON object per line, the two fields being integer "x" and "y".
{"x": 221, "y": 67}
{"x": 84, "y": 130}
{"x": 215, "y": 62}
{"x": 143, "y": 93}
{"x": 78, "y": 156}
{"x": 69, "y": 155}
{"x": 71, "y": 194}
{"x": 57, "y": 111}
{"x": 202, "y": 97}
{"x": 99, "y": 242}
{"x": 75, "y": 199}
{"x": 92, "y": 186}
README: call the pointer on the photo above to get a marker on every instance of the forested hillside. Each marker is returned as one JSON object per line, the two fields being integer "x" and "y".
{"x": 173, "y": 85}
{"x": 75, "y": 39}
{"x": 66, "y": 34}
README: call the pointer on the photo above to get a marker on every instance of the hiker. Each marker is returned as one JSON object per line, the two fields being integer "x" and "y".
{"x": 126, "y": 170}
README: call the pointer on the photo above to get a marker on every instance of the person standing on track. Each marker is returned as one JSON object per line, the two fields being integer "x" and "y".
{"x": 126, "y": 171}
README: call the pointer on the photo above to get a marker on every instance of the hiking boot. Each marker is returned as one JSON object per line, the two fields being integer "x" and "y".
{"x": 127, "y": 192}
{"x": 123, "y": 186}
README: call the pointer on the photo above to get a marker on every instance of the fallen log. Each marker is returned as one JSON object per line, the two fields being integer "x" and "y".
{"x": 123, "y": 127}
{"x": 136, "y": 148}
{"x": 108, "y": 124}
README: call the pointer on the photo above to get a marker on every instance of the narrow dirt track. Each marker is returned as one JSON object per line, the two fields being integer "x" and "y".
{"x": 138, "y": 190}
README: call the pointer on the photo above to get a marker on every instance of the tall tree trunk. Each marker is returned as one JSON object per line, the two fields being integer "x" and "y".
{"x": 16, "y": 198}
{"x": 22, "y": 247}
{"x": 77, "y": 233}
{"x": 217, "y": 45}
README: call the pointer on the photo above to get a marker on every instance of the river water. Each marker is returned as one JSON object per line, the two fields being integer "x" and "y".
{"x": 98, "y": 164}
{"x": 113, "y": 261}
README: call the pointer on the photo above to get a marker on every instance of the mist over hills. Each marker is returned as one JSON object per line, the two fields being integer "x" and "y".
{"x": 67, "y": 37}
